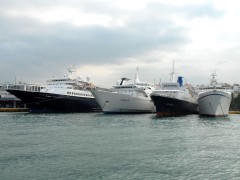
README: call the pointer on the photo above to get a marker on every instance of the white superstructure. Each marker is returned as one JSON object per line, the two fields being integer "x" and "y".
{"x": 214, "y": 99}
{"x": 126, "y": 98}
{"x": 67, "y": 85}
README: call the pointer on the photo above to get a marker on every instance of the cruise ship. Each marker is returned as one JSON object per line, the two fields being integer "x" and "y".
{"x": 173, "y": 98}
{"x": 126, "y": 97}
{"x": 214, "y": 99}
{"x": 61, "y": 94}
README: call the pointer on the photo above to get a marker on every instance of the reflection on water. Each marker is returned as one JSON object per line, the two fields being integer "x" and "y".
{"x": 225, "y": 118}
{"x": 213, "y": 121}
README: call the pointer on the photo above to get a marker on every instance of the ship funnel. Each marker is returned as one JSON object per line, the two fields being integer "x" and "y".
{"x": 180, "y": 81}
{"x": 123, "y": 80}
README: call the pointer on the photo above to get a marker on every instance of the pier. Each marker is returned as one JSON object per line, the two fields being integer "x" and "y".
{"x": 234, "y": 112}
{"x": 14, "y": 109}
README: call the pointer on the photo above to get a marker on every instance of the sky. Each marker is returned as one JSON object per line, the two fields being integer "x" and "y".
{"x": 107, "y": 40}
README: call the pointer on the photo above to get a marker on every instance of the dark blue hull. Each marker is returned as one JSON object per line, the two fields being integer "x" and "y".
{"x": 166, "y": 106}
{"x": 47, "y": 102}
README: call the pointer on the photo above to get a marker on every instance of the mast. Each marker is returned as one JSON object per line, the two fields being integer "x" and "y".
{"x": 213, "y": 80}
{"x": 71, "y": 70}
{"x": 136, "y": 80}
{"x": 173, "y": 72}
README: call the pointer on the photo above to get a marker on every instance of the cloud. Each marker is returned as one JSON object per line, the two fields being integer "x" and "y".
{"x": 204, "y": 10}
{"x": 98, "y": 44}
{"x": 39, "y": 38}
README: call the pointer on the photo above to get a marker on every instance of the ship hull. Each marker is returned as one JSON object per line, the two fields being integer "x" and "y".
{"x": 113, "y": 102}
{"x": 49, "y": 102}
{"x": 167, "y": 106}
{"x": 214, "y": 103}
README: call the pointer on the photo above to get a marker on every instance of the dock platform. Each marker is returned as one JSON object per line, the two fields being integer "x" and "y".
{"x": 14, "y": 109}
{"x": 234, "y": 112}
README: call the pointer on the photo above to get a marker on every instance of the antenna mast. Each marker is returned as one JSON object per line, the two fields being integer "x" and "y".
{"x": 173, "y": 72}
{"x": 136, "y": 77}
{"x": 213, "y": 80}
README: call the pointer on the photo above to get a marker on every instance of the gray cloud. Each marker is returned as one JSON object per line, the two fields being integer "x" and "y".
{"x": 29, "y": 40}
{"x": 33, "y": 48}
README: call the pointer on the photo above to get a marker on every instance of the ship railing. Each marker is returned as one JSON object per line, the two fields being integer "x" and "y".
{"x": 166, "y": 94}
{"x": 172, "y": 94}
{"x": 210, "y": 89}
{"x": 24, "y": 87}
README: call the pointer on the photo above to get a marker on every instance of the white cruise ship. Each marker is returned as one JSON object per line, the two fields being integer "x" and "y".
{"x": 126, "y": 98}
{"x": 214, "y": 99}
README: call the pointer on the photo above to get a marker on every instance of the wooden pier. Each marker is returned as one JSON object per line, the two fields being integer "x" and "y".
{"x": 14, "y": 109}
{"x": 234, "y": 112}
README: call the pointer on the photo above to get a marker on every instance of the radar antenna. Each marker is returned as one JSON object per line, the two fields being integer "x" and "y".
{"x": 71, "y": 69}
{"x": 214, "y": 80}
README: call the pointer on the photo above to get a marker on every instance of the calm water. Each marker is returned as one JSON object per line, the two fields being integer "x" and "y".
{"x": 98, "y": 146}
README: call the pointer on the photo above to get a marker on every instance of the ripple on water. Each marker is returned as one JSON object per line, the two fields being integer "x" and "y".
{"x": 99, "y": 146}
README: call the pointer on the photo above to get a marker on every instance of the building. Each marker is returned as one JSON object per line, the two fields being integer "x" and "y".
{"x": 236, "y": 90}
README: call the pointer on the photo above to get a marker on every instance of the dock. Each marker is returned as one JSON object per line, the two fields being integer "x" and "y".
{"x": 234, "y": 112}
{"x": 14, "y": 109}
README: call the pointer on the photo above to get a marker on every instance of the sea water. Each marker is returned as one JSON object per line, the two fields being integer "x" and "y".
{"x": 100, "y": 146}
